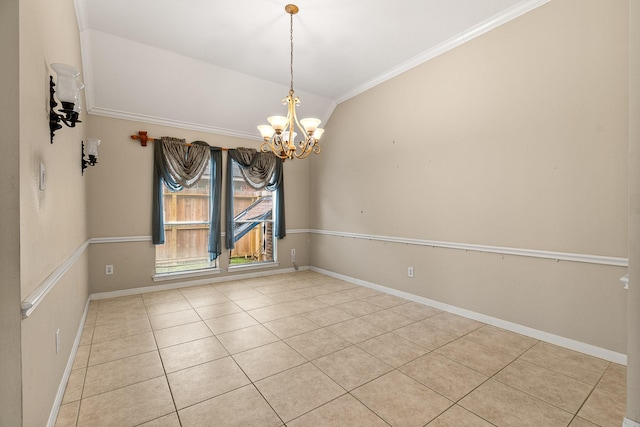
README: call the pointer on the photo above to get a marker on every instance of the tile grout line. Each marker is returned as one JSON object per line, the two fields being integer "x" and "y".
{"x": 166, "y": 378}
{"x": 591, "y": 392}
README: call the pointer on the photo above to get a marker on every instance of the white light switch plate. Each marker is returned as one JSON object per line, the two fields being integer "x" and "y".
{"x": 42, "y": 177}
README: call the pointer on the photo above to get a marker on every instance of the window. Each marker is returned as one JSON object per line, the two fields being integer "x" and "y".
{"x": 253, "y": 220}
{"x": 186, "y": 227}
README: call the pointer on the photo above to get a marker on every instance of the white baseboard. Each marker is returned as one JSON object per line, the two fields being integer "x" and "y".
{"x": 628, "y": 423}
{"x": 67, "y": 372}
{"x": 185, "y": 284}
{"x": 581, "y": 347}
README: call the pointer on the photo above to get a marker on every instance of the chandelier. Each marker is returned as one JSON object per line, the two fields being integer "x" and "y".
{"x": 280, "y": 134}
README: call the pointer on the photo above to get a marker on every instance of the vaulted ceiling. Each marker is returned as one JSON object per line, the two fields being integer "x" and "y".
{"x": 223, "y": 67}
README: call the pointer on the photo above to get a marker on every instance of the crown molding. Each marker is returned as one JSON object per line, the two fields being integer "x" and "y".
{"x": 123, "y": 115}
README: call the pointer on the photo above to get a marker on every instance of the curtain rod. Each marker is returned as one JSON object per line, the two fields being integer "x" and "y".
{"x": 142, "y": 136}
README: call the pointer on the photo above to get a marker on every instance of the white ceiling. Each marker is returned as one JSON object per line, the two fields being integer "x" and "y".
{"x": 223, "y": 67}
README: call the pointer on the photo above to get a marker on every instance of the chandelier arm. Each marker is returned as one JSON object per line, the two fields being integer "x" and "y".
{"x": 306, "y": 144}
{"x": 302, "y": 129}
{"x": 277, "y": 150}
{"x": 282, "y": 147}
{"x": 304, "y": 154}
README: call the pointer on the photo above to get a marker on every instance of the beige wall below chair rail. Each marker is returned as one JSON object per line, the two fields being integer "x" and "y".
{"x": 431, "y": 282}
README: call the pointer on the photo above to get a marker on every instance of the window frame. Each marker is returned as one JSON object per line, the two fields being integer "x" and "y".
{"x": 274, "y": 240}
{"x": 193, "y": 268}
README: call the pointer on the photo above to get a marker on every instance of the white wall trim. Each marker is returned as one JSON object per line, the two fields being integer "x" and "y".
{"x": 581, "y": 347}
{"x": 253, "y": 266}
{"x": 473, "y": 32}
{"x": 629, "y": 423}
{"x": 163, "y": 277}
{"x": 299, "y": 231}
{"x": 533, "y": 253}
{"x": 126, "y": 239}
{"x": 125, "y": 115}
{"x": 53, "y": 415}
{"x": 190, "y": 283}
{"x": 37, "y": 295}
{"x": 32, "y": 301}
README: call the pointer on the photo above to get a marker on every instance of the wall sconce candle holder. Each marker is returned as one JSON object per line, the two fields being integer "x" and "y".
{"x": 92, "y": 153}
{"x": 67, "y": 93}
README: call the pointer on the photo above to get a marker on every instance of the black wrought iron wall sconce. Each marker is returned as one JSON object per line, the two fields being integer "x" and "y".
{"x": 68, "y": 93}
{"x": 92, "y": 153}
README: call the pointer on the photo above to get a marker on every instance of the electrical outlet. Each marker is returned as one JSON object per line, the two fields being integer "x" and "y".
{"x": 108, "y": 269}
{"x": 58, "y": 341}
{"x": 293, "y": 255}
{"x": 410, "y": 271}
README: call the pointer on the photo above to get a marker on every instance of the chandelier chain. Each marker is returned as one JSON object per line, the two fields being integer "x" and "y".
{"x": 291, "y": 55}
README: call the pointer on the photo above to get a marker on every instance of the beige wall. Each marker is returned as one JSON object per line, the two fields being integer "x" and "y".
{"x": 633, "y": 323}
{"x": 52, "y": 222}
{"x": 119, "y": 203}
{"x": 43, "y": 368}
{"x": 517, "y": 138}
{"x": 10, "y": 352}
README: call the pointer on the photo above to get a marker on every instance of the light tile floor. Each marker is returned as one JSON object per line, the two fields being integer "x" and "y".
{"x": 304, "y": 349}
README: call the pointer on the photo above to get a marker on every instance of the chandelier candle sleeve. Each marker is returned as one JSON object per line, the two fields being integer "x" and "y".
{"x": 276, "y": 135}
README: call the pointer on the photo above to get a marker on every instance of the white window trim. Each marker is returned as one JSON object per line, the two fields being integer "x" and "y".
{"x": 253, "y": 266}
{"x": 161, "y": 277}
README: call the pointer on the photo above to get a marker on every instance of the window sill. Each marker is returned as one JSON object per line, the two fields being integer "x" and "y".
{"x": 253, "y": 266}
{"x": 185, "y": 274}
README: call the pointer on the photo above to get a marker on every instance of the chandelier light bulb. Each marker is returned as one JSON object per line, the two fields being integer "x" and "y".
{"x": 278, "y": 123}
{"x": 266, "y": 131}
{"x": 285, "y": 137}
{"x": 310, "y": 124}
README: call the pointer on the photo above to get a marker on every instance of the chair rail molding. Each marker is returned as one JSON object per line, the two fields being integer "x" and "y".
{"x": 37, "y": 295}
{"x": 501, "y": 250}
